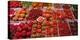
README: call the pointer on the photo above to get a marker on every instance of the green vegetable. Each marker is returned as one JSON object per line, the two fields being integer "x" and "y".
{"x": 26, "y": 4}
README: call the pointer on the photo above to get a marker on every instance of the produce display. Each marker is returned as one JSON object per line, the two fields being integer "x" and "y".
{"x": 37, "y": 19}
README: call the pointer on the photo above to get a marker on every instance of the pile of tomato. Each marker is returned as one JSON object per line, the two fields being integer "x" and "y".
{"x": 34, "y": 19}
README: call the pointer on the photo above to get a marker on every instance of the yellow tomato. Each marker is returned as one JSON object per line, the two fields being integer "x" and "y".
{"x": 20, "y": 18}
{"x": 36, "y": 4}
{"x": 15, "y": 18}
{"x": 22, "y": 15}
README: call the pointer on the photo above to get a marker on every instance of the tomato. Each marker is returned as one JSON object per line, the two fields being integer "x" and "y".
{"x": 38, "y": 30}
{"x": 39, "y": 26}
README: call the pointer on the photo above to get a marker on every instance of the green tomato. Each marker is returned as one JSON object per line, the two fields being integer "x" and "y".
{"x": 26, "y": 4}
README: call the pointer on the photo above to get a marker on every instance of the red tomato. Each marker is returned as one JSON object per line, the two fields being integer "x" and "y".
{"x": 38, "y": 26}
{"x": 38, "y": 30}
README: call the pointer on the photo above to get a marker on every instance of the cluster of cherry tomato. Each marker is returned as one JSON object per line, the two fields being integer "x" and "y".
{"x": 14, "y": 4}
{"x": 20, "y": 30}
